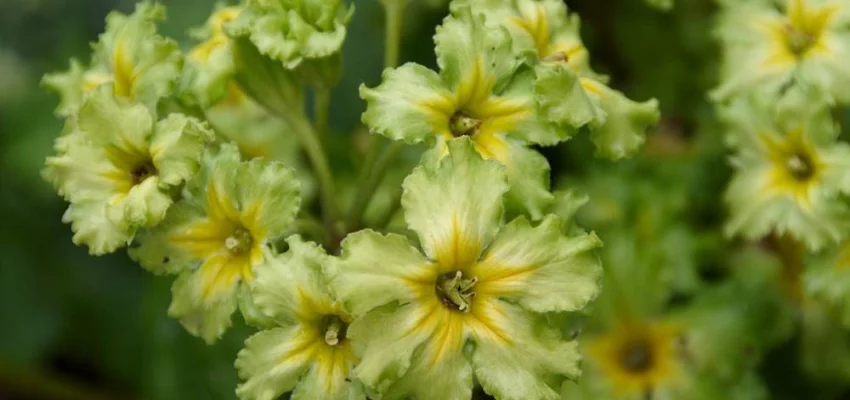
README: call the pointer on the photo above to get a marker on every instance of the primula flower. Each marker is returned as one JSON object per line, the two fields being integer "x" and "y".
{"x": 790, "y": 169}
{"x": 308, "y": 349}
{"x": 294, "y": 31}
{"x": 214, "y": 237}
{"x": 566, "y": 86}
{"x": 210, "y": 64}
{"x": 807, "y": 41}
{"x": 138, "y": 64}
{"x": 481, "y": 93}
{"x": 637, "y": 345}
{"x": 467, "y": 308}
{"x": 119, "y": 168}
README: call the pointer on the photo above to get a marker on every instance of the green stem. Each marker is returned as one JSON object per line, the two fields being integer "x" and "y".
{"x": 321, "y": 106}
{"x": 392, "y": 31}
{"x": 309, "y": 140}
{"x": 375, "y": 166}
{"x": 367, "y": 188}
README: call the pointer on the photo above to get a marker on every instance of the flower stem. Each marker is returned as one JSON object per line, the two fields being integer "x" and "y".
{"x": 368, "y": 186}
{"x": 392, "y": 31}
{"x": 309, "y": 140}
{"x": 376, "y": 165}
{"x": 321, "y": 105}
{"x": 791, "y": 252}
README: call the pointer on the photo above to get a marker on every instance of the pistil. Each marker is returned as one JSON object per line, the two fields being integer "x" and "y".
{"x": 455, "y": 291}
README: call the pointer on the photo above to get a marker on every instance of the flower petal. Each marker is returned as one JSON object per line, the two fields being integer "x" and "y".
{"x": 376, "y": 269}
{"x": 539, "y": 267}
{"x": 455, "y": 207}
{"x": 206, "y": 319}
{"x": 531, "y": 364}
{"x": 177, "y": 146}
{"x": 410, "y": 104}
{"x": 273, "y": 361}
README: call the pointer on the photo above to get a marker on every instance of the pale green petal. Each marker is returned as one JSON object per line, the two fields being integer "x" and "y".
{"x": 621, "y": 130}
{"x": 176, "y": 147}
{"x": 311, "y": 387}
{"x": 272, "y": 363}
{"x": 404, "y": 105}
{"x": 455, "y": 207}
{"x": 105, "y": 122}
{"x": 534, "y": 125}
{"x": 391, "y": 358}
{"x": 144, "y": 205}
{"x": 528, "y": 177}
{"x": 561, "y": 97}
{"x": 92, "y": 228}
{"x": 205, "y": 319}
{"x": 449, "y": 379}
{"x": 156, "y": 252}
{"x": 209, "y": 79}
{"x": 271, "y": 192}
{"x": 142, "y": 65}
{"x": 69, "y": 86}
{"x": 531, "y": 365}
{"x": 465, "y": 45}
{"x": 376, "y": 269}
{"x": 280, "y": 281}
{"x": 540, "y": 268}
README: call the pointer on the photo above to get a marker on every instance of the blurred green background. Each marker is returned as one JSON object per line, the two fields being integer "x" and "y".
{"x": 74, "y": 326}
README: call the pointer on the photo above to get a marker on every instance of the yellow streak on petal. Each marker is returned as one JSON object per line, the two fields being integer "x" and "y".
{"x": 219, "y": 205}
{"x": 91, "y": 80}
{"x": 203, "y": 238}
{"x": 122, "y": 68}
{"x": 457, "y": 249}
{"x": 219, "y": 274}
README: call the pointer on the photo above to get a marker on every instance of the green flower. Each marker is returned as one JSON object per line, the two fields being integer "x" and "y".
{"x": 566, "y": 87}
{"x": 138, "y": 64}
{"x": 119, "y": 168}
{"x": 807, "y": 41}
{"x": 210, "y": 64}
{"x": 468, "y": 306}
{"x": 294, "y": 31}
{"x": 308, "y": 349}
{"x": 214, "y": 237}
{"x": 636, "y": 346}
{"x": 481, "y": 93}
{"x": 790, "y": 169}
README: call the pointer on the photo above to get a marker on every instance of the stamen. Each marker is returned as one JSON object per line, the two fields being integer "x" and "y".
{"x": 556, "y": 57}
{"x": 335, "y": 330}
{"x": 800, "y": 167}
{"x": 463, "y": 125}
{"x": 455, "y": 291}
{"x": 239, "y": 241}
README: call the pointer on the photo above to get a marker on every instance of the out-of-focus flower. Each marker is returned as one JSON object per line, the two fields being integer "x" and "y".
{"x": 790, "y": 169}
{"x": 807, "y": 41}
{"x": 136, "y": 63}
{"x": 119, "y": 167}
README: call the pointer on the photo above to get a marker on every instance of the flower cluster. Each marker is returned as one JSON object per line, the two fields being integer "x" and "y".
{"x": 784, "y": 68}
{"x": 191, "y": 160}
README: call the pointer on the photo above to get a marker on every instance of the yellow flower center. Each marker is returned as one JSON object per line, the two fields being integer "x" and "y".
{"x": 798, "y": 41}
{"x": 455, "y": 291}
{"x": 239, "y": 242}
{"x": 795, "y": 166}
{"x": 461, "y": 124}
{"x": 801, "y": 34}
{"x": 637, "y": 358}
{"x": 142, "y": 171}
